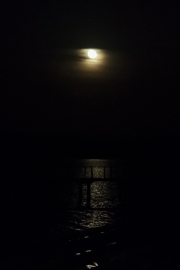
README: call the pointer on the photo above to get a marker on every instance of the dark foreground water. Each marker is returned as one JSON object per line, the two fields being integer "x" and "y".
{"x": 131, "y": 222}
{"x": 90, "y": 237}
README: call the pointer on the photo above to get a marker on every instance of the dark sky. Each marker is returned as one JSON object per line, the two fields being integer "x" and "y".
{"x": 91, "y": 23}
{"x": 66, "y": 23}
{"x": 46, "y": 89}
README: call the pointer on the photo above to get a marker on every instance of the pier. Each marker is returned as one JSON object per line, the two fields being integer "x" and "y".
{"x": 86, "y": 175}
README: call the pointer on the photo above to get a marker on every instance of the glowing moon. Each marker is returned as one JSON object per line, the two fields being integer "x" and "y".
{"x": 92, "y": 54}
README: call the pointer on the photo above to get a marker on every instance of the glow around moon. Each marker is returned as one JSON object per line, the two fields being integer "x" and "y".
{"x": 79, "y": 66}
{"x": 92, "y": 54}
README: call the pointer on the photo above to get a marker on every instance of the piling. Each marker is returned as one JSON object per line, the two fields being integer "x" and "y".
{"x": 80, "y": 193}
{"x": 88, "y": 193}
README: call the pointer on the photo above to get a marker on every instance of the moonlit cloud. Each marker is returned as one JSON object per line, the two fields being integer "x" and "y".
{"x": 75, "y": 65}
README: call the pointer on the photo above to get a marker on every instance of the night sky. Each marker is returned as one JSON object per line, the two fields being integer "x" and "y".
{"x": 48, "y": 85}
{"x": 56, "y": 103}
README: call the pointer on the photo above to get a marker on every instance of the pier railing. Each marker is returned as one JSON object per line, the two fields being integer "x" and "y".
{"x": 97, "y": 172}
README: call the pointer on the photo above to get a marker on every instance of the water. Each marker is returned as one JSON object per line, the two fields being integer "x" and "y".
{"x": 103, "y": 195}
{"x": 82, "y": 237}
{"x": 87, "y": 234}
{"x": 92, "y": 237}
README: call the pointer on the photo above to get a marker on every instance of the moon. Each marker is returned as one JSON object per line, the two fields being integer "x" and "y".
{"x": 92, "y": 54}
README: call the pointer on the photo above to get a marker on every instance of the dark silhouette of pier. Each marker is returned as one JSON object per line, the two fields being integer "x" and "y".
{"x": 107, "y": 175}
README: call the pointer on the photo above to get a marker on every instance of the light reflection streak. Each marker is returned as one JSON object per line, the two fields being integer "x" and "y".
{"x": 114, "y": 243}
{"x": 89, "y": 266}
{"x": 103, "y": 195}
